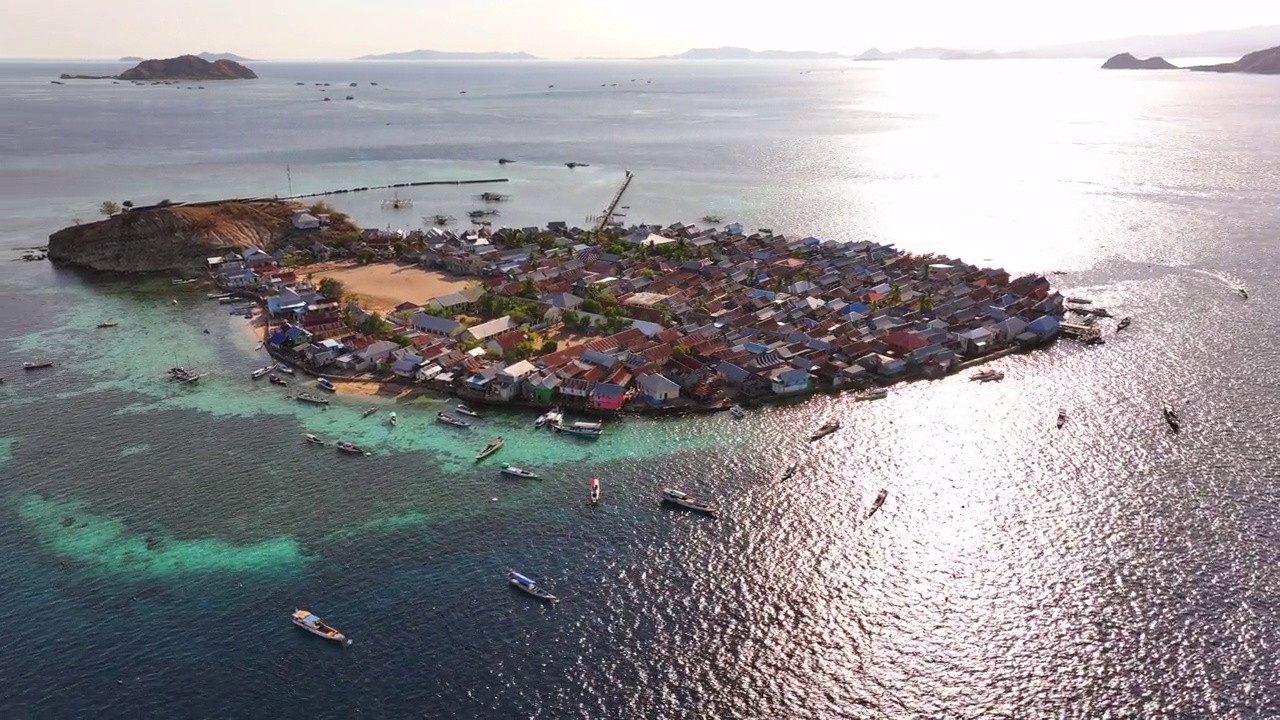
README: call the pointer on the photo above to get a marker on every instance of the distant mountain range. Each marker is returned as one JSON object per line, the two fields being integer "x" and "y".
{"x": 442, "y": 55}
{"x": 737, "y": 53}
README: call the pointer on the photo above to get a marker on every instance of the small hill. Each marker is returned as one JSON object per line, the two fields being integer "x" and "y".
{"x": 443, "y": 55}
{"x": 1126, "y": 61}
{"x": 188, "y": 67}
{"x": 1262, "y": 62}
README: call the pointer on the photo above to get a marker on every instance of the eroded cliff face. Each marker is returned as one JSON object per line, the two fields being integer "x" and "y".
{"x": 179, "y": 238}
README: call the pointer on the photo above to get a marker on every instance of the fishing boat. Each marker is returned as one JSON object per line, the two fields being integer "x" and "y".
{"x": 595, "y": 491}
{"x": 324, "y": 384}
{"x": 827, "y": 428}
{"x": 871, "y": 395}
{"x": 514, "y": 471}
{"x": 1171, "y": 417}
{"x": 1124, "y": 323}
{"x": 314, "y": 440}
{"x": 526, "y": 585}
{"x": 218, "y": 295}
{"x": 738, "y": 412}
{"x": 988, "y": 376}
{"x": 37, "y": 365}
{"x": 181, "y": 282}
{"x": 676, "y": 497}
{"x": 260, "y": 372}
{"x": 448, "y": 419}
{"x": 309, "y": 398}
{"x": 227, "y": 300}
{"x": 182, "y": 375}
{"x": 314, "y": 625}
{"x": 277, "y": 380}
{"x": 393, "y": 419}
{"x": 107, "y": 324}
{"x": 540, "y": 421}
{"x": 791, "y": 470}
{"x": 1062, "y": 417}
{"x": 1243, "y": 293}
{"x": 463, "y": 409}
{"x": 369, "y": 412}
{"x": 875, "y": 504}
{"x": 581, "y": 429}
{"x": 489, "y": 449}
{"x": 555, "y": 415}
{"x": 284, "y": 368}
{"x": 1079, "y": 301}
{"x": 350, "y": 448}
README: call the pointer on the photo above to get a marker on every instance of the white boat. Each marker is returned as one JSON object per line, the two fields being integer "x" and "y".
{"x": 676, "y": 497}
{"x": 464, "y": 410}
{"x": 738, "y": 412}
{"x": 520, "y": 582}
{"x": 552, "y": 417}
{"x": 448, "y": 419}
{"x": 393, "y": 419}
{"x": 313, "y": 439}
{"x": 1062, "y": 417}
{"x": 595, "y": 491}
{"x": 581, "y": 429}
{"x": 284, "y": 368}
{"x": 324, "y": 384}
{"x": 540, "y": 421}
{"x": 310, "y": 622}
{"x": 261, "y": 372}
{"x": 514, "y": 471}
{"x": 871, "y": 395}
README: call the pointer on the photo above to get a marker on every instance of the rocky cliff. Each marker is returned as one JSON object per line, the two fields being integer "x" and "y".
{"x": 1126, "y": 61}
{"x": 1262, "y": 62}
{"x": 181, "y": 238}
{"x": 188, "y": 67}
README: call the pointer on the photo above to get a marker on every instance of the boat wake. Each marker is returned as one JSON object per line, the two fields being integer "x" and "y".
{"x": 1226, "y": 279}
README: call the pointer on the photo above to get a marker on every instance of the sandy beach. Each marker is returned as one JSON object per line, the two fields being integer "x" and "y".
{"x": 384, "y": 285}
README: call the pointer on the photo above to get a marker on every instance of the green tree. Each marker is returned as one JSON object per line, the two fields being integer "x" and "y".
{"x": 591, "y": 305}
{"x": 331, "y": 288}
{"x": 680, "y": 350}
{"x": 569, "y": 316}
{"x": 108, "y": 208}
{"x": 365, "y": 255}
{"x": 528, "y": 289}
{"x": 549, "y": 346}
{"x": 375, "y": 324}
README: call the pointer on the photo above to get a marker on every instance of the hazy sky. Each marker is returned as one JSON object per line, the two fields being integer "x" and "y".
{"x": 574, "y": 28}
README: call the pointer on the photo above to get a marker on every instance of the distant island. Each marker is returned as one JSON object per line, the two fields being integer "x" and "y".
{"x": 1126, "y": 61}
{"x": 131, "y": 58}
{"x": 185, "y": 67}
{"x": 444, "y": 55}
{"x": 1262, "y": 62}
{"x": 738, "y": 53}
{"x": 214, "y": 57}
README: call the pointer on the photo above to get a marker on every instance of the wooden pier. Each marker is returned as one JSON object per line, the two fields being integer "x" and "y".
{"x": 603, "y": 221}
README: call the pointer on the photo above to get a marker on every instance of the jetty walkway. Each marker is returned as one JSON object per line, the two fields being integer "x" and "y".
{"x": 604, "y": 219}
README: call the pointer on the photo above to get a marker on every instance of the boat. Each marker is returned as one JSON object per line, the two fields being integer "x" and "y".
{"x": 791, "y": 470}
{"x": 875, "y": 504}
{"x": 1124, "y": 323}
{"x": 552, "y": 416}
{"x": 284, "y": 368}
{"x": 595, "y": 491}
{"x": 827, "y": 428}
{"x": 217, "y": 295}
{"x": 1243, "y": 293}
{"x": 107, "y": 324}
{"x": 489, "y": 449}
{"x": 181, "y": 282}
{"x": 227, "y": 300}
{"x": 1079, "y": 301}
{"x": 514, "y": 471}
{"x": 871, "y": 395}
{"x": 260, "y": 372}
{"x": 306, "y": 620}
{"x": 182, "y": 375}
{"x": 540, "y": 421}
{"x": 277, "y": 380}
{"x": 314, "y": 440}
{"x": 676, "y": 497}
{"x": 1171, "y": 417}
{"x": 350, "y": 448}
{"x": 988, "y": 376}
{"x": 393, "y": 419}
{"x": 324, "y": 384}
{"x": 37, "y": 365}
{"x": 1062, "y": 417}
{"x": 369, "y": 412}
{"x": 524, "y": 584}
{"x": 466, "y": 411}
{"x": 581, "y": 429}
{"x": 738, "y": 412}
{"x": 448, "y": 419}
{"x": 309, "y": 398}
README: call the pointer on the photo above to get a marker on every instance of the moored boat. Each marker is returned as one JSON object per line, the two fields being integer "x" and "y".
{"x": 677, "y": 497}
{"x": 791, "y": 470}
{"x": 1171, "y": 417}
{"x": 37, "y": 365}
{"x": 309, "y": 398}
{"x": 448, "y": 419}
{"x": 871, "y": 395}
{"x": 875, "y": 504}
{"x": 489, "y": 449}
{"x": 314, "y": 440}
{"x": 393, "y": 419}
{"x": 182, "y": 375}
{"x": 463, "y": 409}
{"x": 369, "y": 412}
{"x": 989, "y": 376}
{"x": 1079, "y": 301}
{"x": 581, "y": 429}
{"x": 284, "y": 368}
{"x": 738, "y": 412}
{"x": 350, "y": 448}
{"x": 277, "y": 380}
{"x": 324, "y": 384}
{"x": 260, "y": 372}
{"x": 827, "y": 428}
{"x": 595, "y": 491}
{"x": 107, "y": 324}
{"x": 520, "y": 582}
{"x": 1243, "y": 293}
{"x": 1124, "y": 323}
{"x": 555, "y": 415}
{"x": 514, "y": 471}
{"x": 308, "y": 621}
{"x": 1062, "y": 417}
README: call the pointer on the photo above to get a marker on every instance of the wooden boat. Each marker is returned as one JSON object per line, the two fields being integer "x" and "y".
{"x": 107, "y": 324}
{"x": 309, "y": 398}
{"x": 448, "y": 419}
{"x": 581, "y": 429}
{"x": 277, "y": 380}
{"x": 284, "y": 368}
{"x": 988, "y": 376}
{"x": 182, "y": 375}
{"x": 314, "y": 625}
{"x": 314, "y": 440}
{"x": 1171, "y": 418}
{"x": 489, "y": 449}
{"x": 675, "y": 497}
{"x": 827, "y": 428}
{"x": 1079, "y": 301}
{"x": 324, "y": 384}
{"x": 871, "y": 395}
{"x": 350, "y": 448}
{"x": 1124, "y": 323}
{"x": 791, "y": 470}
{"x": 514, "y": 471}
{"x": 369, "y": 412}
{"x": 37, "y": 365}
{"x": 463, "y": 409}
{"x": 875, "y": 504}
{"x": 262, "y": 371}
{"x": 524, "y": 584}
{"x": 393, "y": 419}
{"x": 1062, "y": 417}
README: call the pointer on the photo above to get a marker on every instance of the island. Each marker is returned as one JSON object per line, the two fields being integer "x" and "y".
{"x": 184, "y": 67}
{"x": 739, "y": 53}
{"x": 214, "y": 57}
{"x": 1261, "y": 62}
{"x": 1126, "y": 61}
{"x": 132, "y": 59}
{"x": 681, "y": 318}
{"x": 444, "y": 55}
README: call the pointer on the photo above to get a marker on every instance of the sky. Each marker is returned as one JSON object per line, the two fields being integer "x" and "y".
{"x": 332, "y": 29}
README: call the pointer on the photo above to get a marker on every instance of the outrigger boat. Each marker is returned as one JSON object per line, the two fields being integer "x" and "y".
{"x": 676, "y": 497}
{"x": 489, "y": 449}
{"x": 1124, "y": 323}
{"x": 107, "y": 324}
{"x": 369, "y": 412}
{"x": 182, "y": 375}
{"x": 466, "y": 411}
{"x": 309, "y": 398}
{"x": 581, "y": 429}
{"x": 37, "y": 365}
{"x": 260, "y": 372}
{"x": 393, "y": 419}
{"x": 314, "y": 625}
{"x": 448, "y": 419}
{"x": 324, "y": 384}
{"x": 871, "y": 395}
{"x": 314, "y": 440}
{"x": 1171, "y": 417}
{"x": 514, "y": 471}
{"x": 526, "y": 585}
{"x": 350, "y": 448}
{"x": 595, "y": 491}
{"x": 875, "y": 504}
{"x": 1062, "y": 417}
{"x": 277, "y": 380}
{"x": 827, "y": 428}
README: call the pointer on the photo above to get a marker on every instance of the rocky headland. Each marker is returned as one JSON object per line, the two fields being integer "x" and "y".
{"x": 181, "y": 237}
{"x": 1262, "y": 62}
{"x": 183, "y": 68}
{"x": 1126, "y": 61}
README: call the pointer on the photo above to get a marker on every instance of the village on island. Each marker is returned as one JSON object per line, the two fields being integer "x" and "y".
{"x": 643, "y": 319}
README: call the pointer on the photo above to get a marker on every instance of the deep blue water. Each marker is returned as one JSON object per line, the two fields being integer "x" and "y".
{"x": 155, "y": 539}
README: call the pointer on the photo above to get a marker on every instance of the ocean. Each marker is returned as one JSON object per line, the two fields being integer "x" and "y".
{"x": 155, "y": 539}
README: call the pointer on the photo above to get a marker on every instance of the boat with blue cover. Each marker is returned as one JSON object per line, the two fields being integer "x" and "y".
{"x": 324, "y": 384}
{"x": 524, "y": 584}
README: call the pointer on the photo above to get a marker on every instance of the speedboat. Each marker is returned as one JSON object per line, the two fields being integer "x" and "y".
{"x": 392, "y": 419}
{"x": 284, "y": 368}
{"x": 524, "y": 584}
{"x": 676, "y": 497}
{"x": 1062, "y": 417}
{"x": 324, "y": 384}
{"x": 871, "y": 395}
{"x": 738, "y": 412}
{"x": 595, "y": 491}
{"x": 314, "y": 440}
{"x": 107, "y": 324}
{"x": 875, "y": 504}
{"x": 489, "y": 449}
{"x": 540, "y": 420}
{"x": 314, "y": 625}
{"x": 463, "y": 409}
{"x": 581, "y": 429}
{"x": 1171, "y": 417}
{"x": 37, "y": 365}
{"x": 827, "y": 428}
{"x": 448, "y": 419}
{"x": 277, "y": 380}
{"x": 350, "y": 448}
{"x": 260, "y": 372}
{"x": 1124, "y": 323}
{"x": 514, "y": 471}
{"x": 369, "y": 412}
